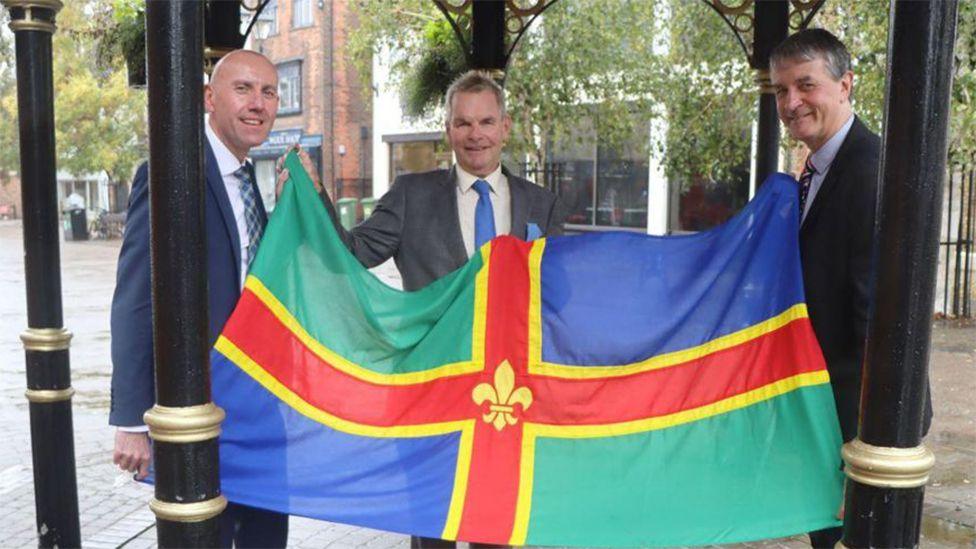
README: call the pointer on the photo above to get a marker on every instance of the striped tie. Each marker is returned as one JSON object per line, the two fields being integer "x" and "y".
{"x": 805, "y": 179}
{"x": 251, "y": 216}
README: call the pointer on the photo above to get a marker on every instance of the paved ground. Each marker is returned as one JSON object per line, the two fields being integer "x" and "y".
{"x": 113, "y": 508}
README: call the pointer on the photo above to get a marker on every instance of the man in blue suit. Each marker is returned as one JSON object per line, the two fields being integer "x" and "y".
{"x": 242, "y": 101}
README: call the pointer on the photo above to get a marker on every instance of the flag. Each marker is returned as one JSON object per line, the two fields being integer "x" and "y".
{"x": 607, "y": 389}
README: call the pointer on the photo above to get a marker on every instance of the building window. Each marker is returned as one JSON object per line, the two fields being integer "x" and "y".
{"x": 290, "y": 87}
{"x": 600, "y": 185}
{"x": 301, "y": 13}
{"x": 267, "y": 24}
{"x": 418, "y": 156}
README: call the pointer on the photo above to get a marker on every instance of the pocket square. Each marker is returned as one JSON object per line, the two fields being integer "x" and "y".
{"x": 532, "y": 232}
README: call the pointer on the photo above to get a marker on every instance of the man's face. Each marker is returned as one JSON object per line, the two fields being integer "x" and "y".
{"x": 242, "y": 99}
{"x": 811, "y": 104}
{"x": 477, "y": 131}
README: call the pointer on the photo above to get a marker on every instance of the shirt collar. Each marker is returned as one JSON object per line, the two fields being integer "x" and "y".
{"x": 824, "y": 157}
{"x": 226, "y": 161}
{"x": 465, "y": 180}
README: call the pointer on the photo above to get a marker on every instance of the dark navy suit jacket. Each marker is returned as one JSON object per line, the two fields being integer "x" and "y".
{"x": 133, "y": 383}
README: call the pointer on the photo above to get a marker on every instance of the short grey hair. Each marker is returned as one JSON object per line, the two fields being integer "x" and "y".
{"x": 810, "y": 44}
{"x": 473, "y": 81}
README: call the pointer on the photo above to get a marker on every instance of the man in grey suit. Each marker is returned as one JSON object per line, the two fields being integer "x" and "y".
{"x": 431, "y": 223}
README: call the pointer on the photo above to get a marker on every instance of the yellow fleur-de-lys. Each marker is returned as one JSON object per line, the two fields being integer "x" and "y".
{"x": 502, "y": 397}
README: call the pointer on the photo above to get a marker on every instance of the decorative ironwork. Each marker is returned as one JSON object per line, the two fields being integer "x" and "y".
{"x": 46, "y": 339}
{"x": 740, "y": 17}
{"x": 518, "y": 18}
{"x": 803, "y": 12}
{"x": 33, "y": 15}
{"x": 256, "y": 7}
{"x": 188, "y": 512}
{"x": 184, "y": 424}
{"x": 887, "y": 467}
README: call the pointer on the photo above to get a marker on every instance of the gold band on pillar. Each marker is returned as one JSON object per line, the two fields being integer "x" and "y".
{"x": 764, "y": 82}
{"x": 45, "y": 396}
{"x": 887, "y": 467}
{"x": 29, "y": 22}
{"x": 184, "y": 424}
{"x": 188, "y": 512}
{"x": 46, "y": 339}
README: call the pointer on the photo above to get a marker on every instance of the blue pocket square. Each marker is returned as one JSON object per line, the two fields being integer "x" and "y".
{"x": 532, "y": 232}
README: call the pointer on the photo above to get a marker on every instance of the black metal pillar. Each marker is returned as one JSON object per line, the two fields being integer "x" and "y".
{"x": 45, "y": 340}
{"x": 770, "y": 28}
{"x": 488, "y": 35}
{"x": 183, "y": 424}
{"x": 887, "y": 465}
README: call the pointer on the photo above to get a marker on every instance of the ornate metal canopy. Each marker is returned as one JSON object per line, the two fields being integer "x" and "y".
{"x": 465, "y": 16}
{"x": 739, "y": 15}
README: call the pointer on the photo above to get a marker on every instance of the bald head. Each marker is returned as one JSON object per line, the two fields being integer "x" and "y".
{"x": 247, "y": 57}
{"x": 242, "y": 100}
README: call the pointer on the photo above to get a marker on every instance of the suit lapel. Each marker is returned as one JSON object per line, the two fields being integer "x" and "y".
{"x": 216, "y": 188}
{"x": 520, "y": 205}
{"x": 451, "y": 223}
{"x": 831, "y": 181}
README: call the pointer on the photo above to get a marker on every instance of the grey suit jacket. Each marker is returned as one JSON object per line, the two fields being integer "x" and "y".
{"x": 416, "y": 223}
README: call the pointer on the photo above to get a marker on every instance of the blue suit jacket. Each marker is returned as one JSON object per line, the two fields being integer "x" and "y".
{"x": 133, "y": 382}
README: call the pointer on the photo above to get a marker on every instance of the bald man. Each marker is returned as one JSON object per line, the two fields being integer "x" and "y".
{"x": 241, "y": 101}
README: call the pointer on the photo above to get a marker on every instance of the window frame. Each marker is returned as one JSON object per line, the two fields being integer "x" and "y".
{"x": 295, "y": 23}
{"x": 284, "y": 110}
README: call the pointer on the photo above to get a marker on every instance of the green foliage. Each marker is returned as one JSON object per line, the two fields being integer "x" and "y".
{"x": 100, "y": 123}
{"x": 590, "y": 68}
{"x": 962, "y": 121}
{"x": 600, "y": 64}
{"x": 441, "y": 61}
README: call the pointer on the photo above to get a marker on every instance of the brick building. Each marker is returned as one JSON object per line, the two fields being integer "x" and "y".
{"x": 325, "y": 105}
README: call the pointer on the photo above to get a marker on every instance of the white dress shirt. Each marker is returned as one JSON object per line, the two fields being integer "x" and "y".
{"x": 822, "y": 159}
{"x": 467, "y": 200}
{"x": 227, "y": 163}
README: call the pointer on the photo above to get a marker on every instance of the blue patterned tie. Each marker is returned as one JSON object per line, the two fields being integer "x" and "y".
{"x": 484, "y": 215}
{"x": 806, "y": 178}
{"x": 251, "y": 216}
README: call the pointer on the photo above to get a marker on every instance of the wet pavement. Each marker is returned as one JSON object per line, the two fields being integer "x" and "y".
{"x": 114, "y": 509}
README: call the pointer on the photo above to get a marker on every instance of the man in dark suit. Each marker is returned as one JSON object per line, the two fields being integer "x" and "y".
{"x": 811, "y": 72}
{"x": 242, "y": 101}
{"x": 431, "y": 223}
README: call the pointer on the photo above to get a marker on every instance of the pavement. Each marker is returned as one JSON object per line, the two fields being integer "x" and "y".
{"x": 113, "y": 508}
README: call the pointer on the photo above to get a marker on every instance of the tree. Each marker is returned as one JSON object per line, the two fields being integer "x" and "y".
{"x": 621, "y": 63}
{"x": 604, "y": 68}
{"x": 100, "y": 123}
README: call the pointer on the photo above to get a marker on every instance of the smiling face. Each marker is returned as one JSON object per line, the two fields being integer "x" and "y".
{"x": 477, "y": 131}
{"x": 810, "y": 101}
{"x": 242, "y": 99}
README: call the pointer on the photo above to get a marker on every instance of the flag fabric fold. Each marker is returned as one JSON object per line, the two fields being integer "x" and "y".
{"x": 599, "y": 390}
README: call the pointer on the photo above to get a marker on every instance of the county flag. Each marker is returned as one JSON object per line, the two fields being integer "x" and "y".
{"x": 598, "y": 390}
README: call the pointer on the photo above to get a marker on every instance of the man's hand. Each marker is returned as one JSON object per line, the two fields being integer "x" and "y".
{"x": 132, "y": 453}
{"x": 306, "y": 163}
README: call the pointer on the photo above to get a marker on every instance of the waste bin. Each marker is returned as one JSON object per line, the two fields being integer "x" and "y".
{"x": 347, "y": 211}
{"x": 76, "y": 227}
{"x": 368, "y": 205}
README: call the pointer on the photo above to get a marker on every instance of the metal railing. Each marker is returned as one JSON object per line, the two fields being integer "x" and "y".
{"x": 956, "y": 283}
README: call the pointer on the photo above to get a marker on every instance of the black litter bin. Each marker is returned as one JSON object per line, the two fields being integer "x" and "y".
{"x": 79, "y": 224}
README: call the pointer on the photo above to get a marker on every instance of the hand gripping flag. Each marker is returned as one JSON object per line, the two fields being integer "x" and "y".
{"x": 607, "y": 389}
